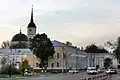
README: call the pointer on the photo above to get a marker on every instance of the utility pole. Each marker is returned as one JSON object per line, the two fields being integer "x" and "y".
{"x": 63, "y": 60}
{"x": 10, "y": 63}
{"x": 76, "y": 60}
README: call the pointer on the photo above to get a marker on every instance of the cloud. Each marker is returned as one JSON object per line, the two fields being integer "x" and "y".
{"x": 79, "y": 21}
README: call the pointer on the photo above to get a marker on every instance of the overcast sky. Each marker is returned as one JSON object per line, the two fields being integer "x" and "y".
{"x": 81, "y": 22}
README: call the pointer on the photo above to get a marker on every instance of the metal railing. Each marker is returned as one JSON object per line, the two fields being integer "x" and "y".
{"x": 99, "y": 77}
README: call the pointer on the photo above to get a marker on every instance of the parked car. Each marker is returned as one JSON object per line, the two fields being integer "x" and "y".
{"x": 73, "y": 71}
{"x": 29, "y": 73}
{"x": 100, "y": 70}
{"x": 111, "y": 71}
{"x": 92, "y": 70}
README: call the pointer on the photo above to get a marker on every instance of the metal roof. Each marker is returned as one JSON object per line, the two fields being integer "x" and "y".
{"x": 15, "y": 51}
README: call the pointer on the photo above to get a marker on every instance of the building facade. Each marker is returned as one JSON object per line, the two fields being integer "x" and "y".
{"x": 66, "y": 57}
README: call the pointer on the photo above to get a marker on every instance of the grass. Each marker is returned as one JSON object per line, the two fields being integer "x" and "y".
{"x": 20, "y": 77}
{"x": 43, "y": 74}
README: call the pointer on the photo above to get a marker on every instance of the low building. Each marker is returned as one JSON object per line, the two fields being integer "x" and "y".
{"x": 18, "y": 55}
{"x": 65, "y": 57}
{"x": 95, "y": 59}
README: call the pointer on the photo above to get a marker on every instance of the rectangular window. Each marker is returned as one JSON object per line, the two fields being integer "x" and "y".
{"x": 52, "y": 65}
{"x": 57, "y": 55}
{"x": 37, "y": 65}
{"x": 64, "y": 56}
{"x": 57, "y": 64}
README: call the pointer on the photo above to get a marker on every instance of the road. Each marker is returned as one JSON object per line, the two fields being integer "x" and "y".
{"x": 64, "y": 77}
{"x": 115, "y": 77}
{"x": 78, "y": 76}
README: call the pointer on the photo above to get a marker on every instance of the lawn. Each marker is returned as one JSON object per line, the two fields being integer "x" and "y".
{"x": 20, "y": 77}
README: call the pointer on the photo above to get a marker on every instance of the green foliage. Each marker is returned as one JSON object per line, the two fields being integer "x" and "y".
{"x": 6, "y": 69}
{"x": 116, "y": 48}
{"x": 42, "y": 47}
{"x": 24, "y": 64}
{"x": 107, "y": 63}
{"x": 95, "y": 49}
{"x": 3, "y": 60}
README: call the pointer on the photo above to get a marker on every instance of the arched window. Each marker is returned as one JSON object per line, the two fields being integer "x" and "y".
{"x": 57, "y": 55}
{"x": 64, "y": 56}
{"x": 58, "y": 65}
{"x": 52, "y": 64}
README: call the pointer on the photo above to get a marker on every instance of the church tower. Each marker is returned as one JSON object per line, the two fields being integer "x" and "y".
{"x": 31, "y": 29}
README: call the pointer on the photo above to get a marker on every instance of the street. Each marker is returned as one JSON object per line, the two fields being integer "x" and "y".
{"x": 78, "y": 76}
{"x": 68, "y": 76}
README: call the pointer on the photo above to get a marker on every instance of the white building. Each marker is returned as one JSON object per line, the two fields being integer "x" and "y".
{"x": 99, "y": 59}
{"x": 65, "y": 57}
{"x": 77, "y": 59}
{"x": 16, "y": 56}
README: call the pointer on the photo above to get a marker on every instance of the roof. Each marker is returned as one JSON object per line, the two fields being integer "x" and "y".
{"x": 31, "y": 25}
{"x": 15, "y": 51}
{"x": 20, "y": 37}
{"x": 98, "y": 53}
{"x": 58, "y": 43}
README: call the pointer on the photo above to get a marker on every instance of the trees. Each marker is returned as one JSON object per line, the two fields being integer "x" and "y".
{"x": 95, "y": 49}
{"x": 115, "y": 46}
{"x": 24, "y": 65}
{"x": 68, "y": 43}
{"x": 8, "y": 68}
{"x": 5, "y": 44}
{"x": 43, "y": 48}
{"x": 3, "y": 61}
{"x": 107, "y": 63}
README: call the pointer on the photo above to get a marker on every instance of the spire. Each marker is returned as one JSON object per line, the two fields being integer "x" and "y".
{"x": 31, "y": 14}
{"x": 20, "y": 30}
{"x": 31, "y": 24}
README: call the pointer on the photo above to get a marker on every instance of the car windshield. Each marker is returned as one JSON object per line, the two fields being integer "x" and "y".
{"x": 92, "y": 69}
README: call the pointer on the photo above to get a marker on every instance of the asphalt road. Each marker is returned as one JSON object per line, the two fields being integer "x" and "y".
{"x": 115, "y": 77}
{"x": 78, "y": 76}
{"x": 65, "y": 77}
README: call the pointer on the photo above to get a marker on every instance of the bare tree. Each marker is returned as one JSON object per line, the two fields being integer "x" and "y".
{"x": 5, "y": 44}
{"x": 68, "y": 43}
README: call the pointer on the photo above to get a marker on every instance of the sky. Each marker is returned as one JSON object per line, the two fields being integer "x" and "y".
{"x": 81, "y": 22}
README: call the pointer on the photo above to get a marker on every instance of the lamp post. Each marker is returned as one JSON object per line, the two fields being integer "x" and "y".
{"x": 63, "y": 60}
{"x": 33, "y": 65}
{"x": 10, "y": 63}
{"x": 10, "y": 69}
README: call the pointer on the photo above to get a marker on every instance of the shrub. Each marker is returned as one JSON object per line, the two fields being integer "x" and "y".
{"x": 6, "y": 69}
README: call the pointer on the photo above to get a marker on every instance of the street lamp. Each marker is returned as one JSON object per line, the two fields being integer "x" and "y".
{"x": 10, "y": 69}
{"x": 10, "y": 63}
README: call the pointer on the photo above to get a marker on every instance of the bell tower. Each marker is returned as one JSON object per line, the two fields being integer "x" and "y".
{"x": 31, "y": 29}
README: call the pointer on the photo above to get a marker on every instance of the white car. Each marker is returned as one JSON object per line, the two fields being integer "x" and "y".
{"x": 92, "y": 70}
{"x": 73, "y": 71}
{"x": 111, "y": 71}
{"x": 100, "y": 71}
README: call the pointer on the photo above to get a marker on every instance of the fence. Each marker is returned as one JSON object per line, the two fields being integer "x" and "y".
{"x": 100, "y": 77}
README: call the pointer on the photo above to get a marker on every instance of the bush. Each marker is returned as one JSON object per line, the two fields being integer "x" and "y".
{"x": 5, "y": 69}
